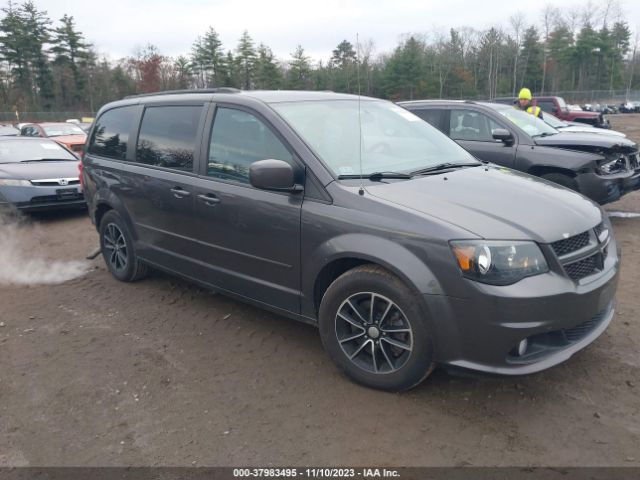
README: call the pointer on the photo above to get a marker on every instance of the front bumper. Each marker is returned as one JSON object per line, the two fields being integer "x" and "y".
{"x": 607, "y": 189}
{"x": 36, "y": 198}
{"x": 556, "y": 315}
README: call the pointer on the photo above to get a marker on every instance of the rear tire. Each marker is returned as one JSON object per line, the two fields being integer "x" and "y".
{"x": 373, "y": 328}
{"x": 116, "y": 244}
{"x": 561, "y": 179}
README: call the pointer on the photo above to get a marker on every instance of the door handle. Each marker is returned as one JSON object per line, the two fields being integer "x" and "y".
{"x": 209, "y": 199}
{"x": 179, "y": 192}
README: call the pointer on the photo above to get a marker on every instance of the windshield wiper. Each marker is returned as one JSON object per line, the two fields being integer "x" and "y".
{"x": 376, "y": 176}
{"x": 49, "y": 160}
{"x": 444, "y": 166}
{"x": 544, "y": 134}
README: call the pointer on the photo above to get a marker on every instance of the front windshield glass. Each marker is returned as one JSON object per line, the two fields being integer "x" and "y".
{"x": 13, "y": 151}
{"x": 393, "y": 139}
{"x": 561, "y": 103}
{"x": 533, "y": 126}
{"x": 62, "y": 129}
{"x": 554, "y": 122}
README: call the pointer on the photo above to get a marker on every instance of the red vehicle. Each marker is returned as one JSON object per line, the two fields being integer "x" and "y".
{"x": 67, "y": 134}
{"x": 558, "y": 107}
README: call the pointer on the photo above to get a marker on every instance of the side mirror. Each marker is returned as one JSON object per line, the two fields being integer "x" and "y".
{"x": 554, "y": 110}
{"x": 503, "y": 135}
{"x": 273, "y": 175}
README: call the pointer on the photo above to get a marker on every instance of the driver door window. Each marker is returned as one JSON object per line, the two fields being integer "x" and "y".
{"x": 238, "y": 139}
{"x": 472, "y": 125}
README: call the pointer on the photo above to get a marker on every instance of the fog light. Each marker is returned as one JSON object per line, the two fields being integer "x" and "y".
{"x": 522, "y": 347}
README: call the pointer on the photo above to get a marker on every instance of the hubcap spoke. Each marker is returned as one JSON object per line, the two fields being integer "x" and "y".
{"x": 386, "y": 311}
{"x": 373, "y": 299}
{"x": 395, "y": 330}
{"x": 396, "y": 343}
{"x": 373, "y": 357}
{"x": 351, "y": 321}
{"x": 351, "y": 338}
{"x": 357, "y": 312}
{"x": 386, "y": 357}
{"x": 359, "y": 349}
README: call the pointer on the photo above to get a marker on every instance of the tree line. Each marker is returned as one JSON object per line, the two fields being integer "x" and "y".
{"x": 51, "y": 66}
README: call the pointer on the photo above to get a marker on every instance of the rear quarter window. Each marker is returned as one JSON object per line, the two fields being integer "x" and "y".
{"x": 111, "y": 133}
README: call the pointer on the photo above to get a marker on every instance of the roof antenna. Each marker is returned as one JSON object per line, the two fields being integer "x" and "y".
{"x": 361, "y": 190}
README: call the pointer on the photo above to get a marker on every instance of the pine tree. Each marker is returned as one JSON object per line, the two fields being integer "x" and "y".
{"x": 299, "y": 74}
{"x": 207, "y": 58}
{"x": 13, "y": 50}
{"x": 343, "y": 67}
{"x": 246, "y": 59}
{"x": 268, "y": 75}
{"x": 71, "y": 54}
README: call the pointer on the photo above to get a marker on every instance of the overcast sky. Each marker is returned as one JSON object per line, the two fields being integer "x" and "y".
{"x": 118, "y": 27}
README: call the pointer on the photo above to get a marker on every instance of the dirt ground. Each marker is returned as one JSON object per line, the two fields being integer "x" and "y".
{"x": 97, "y": 372}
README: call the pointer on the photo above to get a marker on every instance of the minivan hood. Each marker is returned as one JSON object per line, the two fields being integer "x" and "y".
{"x": 495, "y": 203}
{"x": 582, "y": 140}
{"x": 39, "y": 170}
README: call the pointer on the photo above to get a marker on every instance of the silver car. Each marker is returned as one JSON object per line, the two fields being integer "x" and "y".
{"x": 38, "y": 174}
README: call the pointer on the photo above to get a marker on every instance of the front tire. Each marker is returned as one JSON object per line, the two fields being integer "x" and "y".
{"x": 116, "y": 244}
{"x": 373, "y": 328}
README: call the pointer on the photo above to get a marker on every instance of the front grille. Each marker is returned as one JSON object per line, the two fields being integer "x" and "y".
{"x": 583, "y": 268}
{"x": 53, "y": 183}
{"x": 571, "y": 244}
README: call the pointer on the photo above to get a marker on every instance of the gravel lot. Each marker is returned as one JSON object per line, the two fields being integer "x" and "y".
{"x": 97, "y": 372}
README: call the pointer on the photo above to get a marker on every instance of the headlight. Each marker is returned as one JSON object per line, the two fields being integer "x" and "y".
{"x": 498, "y": 262}
{"x": 14, "y": 183}
{"x": 612, "y": 166}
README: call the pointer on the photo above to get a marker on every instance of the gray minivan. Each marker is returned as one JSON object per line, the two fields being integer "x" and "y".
{"x": 354, "y": 215}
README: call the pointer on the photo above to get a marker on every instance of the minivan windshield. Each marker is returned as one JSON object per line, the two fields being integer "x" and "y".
{"x": 393, "y": 139}
{"x": 532, "y": 125}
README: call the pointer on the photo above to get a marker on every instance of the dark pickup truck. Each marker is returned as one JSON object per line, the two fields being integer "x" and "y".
{"x": 558, "y": 107}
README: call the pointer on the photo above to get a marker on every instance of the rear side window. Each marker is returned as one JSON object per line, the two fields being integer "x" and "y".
{"x": 237, "y": 140}
{"x": 431, "y": 116}
{"x": 111, "y": 133}
{"x": 168, "y": 136}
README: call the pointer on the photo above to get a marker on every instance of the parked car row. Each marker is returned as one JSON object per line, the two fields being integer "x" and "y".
{"x": 558, "y": 107}
{"x": 629, "y": 107}
{"x": 39, "y": 166}
{"x": 356, "y": 216}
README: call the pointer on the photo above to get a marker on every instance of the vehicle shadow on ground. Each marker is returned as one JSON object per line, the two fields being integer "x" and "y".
{"x": 303, "y": 337}
{"x": 52, "y": 216}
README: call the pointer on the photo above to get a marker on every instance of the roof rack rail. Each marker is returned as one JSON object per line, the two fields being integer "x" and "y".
{"x": 191, "y": 90}
{"x": 470, "y": 101}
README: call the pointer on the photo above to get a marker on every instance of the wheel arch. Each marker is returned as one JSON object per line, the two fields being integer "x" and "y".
{"x": 339, "y": 255}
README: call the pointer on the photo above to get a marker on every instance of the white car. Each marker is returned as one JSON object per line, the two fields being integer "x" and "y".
{"x": 577, "y": 127}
